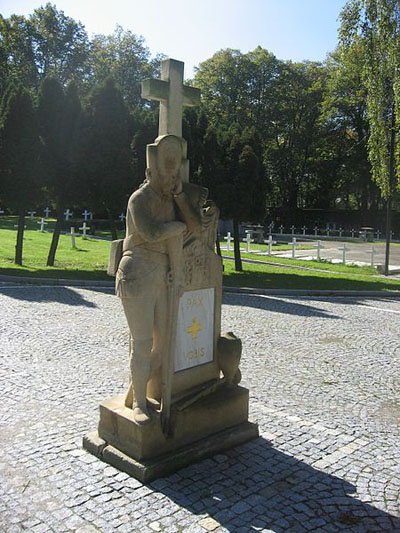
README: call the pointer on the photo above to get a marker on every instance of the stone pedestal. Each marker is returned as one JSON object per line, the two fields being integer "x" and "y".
{"x": 210, "y": 425}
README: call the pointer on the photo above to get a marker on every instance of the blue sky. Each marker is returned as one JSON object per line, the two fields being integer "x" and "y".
{"x": 193, "y": 30}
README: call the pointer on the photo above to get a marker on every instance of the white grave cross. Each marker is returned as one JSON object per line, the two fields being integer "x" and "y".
{"x": 42, "y": 224}
{"x": 47, "y": 212}
{"x": 85, "y": 214}
{"x": 31, "y": 214}
{"x": 122, "y": 217}
{"x": 294, "y": 246}
{"x": 344, "y": 250}
{"x": 372, "y": 254}
{"x": 270, "y": 242}
{"x": 248, "y": 241}
{"x": 84, "y": 229}
{"x": 68, "y": 214}
{"x": 73, "y": 234}
{"x": 228, "y": 241}
{"x": 319, "y": 246}
{"x": 172, "y": 95}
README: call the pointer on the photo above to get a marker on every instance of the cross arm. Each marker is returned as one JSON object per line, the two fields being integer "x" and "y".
{"x": 155, "y": 89}
{"x": 191, "y": 96}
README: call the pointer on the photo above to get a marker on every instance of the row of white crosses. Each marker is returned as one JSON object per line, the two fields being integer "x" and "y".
{"x": 328, "y": 230}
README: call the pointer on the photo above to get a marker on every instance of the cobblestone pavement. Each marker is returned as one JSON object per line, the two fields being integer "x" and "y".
{"x": 325, "y": 390}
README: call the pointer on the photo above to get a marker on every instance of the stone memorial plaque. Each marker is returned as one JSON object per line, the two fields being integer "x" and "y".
{"x": 195, "y": 329}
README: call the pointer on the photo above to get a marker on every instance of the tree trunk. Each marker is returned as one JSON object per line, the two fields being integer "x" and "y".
{"x": 56, "y": 235}
{"x": 236, "y": 246}
{"x": 20, "y": 237}
{"x": 113, "y": 227}
{"x": 218, "y": 245}
{"x": 389, "y": 198}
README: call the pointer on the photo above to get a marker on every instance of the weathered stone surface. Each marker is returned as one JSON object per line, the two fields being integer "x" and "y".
{"x": 226, "y": 407}
{"x": 163, "y": 465}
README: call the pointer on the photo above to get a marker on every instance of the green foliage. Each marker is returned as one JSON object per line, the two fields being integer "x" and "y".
{"x": 105, "y": 149}
{"x": 48, "y": 43}
{"x": 124, "y": 57}
{"x": 19, "y": 150}
{"x": 375, "y": 26}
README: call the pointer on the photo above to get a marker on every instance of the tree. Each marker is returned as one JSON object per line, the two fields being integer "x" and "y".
{"x": 48, "y": 43}
{"x": 59, "y": 118}
{"x": 345, "y": 112}
{"x": 124, "y": 57}
{"x": 105, "y": 151}
{"x": 298, "y": 94}
{"x": 375, "y": 24}
{"x": 19, "y": 151}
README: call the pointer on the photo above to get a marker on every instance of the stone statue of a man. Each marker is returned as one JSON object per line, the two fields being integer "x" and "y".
{"x": 158, "y": 214}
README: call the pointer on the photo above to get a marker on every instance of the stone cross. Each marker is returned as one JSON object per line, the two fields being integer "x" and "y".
{"x": 340, "y": 231}
{"x": 352, "y": 233}
{"x": 122, "y": 217}
{"x": 31, "y": 214}
{"x": 270, "y": 242}
{"x": 91, "y": 215}
{"x": 172, "y": 95}
{"x": 73, "y": 234}
{"x": 281, "y": 228}
{"x": 328, "y": 230}
{"x": 344, "y": 250}
{"x": 84, "y": 229}
{"x": 293, "y": 229}
{"x": 319, "y": 246}
{"x": 42, "y": 224}
{"x": 315, "y": 230}
{"x": 294, "y": 246}
{"x": 271, "y": 227}
{"x": 228, "y": 241}
{"x": 68, "y": 214}
{"x": 378, "y": 234}
{"x": 85, "y": 214}
{"x": 47, "y": 212}
{"x": 304, "y": 230}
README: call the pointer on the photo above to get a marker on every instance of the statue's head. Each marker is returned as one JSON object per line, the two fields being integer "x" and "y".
{"x": 164, "y": 161}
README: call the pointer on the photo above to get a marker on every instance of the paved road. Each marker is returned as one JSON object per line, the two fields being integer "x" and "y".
{"x": 357, "y": 252}
{"x": 325, "y": 390}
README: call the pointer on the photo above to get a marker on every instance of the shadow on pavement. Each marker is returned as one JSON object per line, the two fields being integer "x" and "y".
{"x": 274, "y": 304}
{"x": 31, "y": 293}
{"x": 254, "y": 487}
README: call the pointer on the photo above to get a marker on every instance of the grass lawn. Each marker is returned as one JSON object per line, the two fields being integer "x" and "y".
{"x": 269, "y": 277}
{"x": 89, "y": 262}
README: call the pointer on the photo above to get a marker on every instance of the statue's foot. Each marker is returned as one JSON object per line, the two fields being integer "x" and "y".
{"x": 140, "y": 417}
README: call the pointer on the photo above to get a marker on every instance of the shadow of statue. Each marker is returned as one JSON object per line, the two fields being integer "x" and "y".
{"x": 255, "y": 487}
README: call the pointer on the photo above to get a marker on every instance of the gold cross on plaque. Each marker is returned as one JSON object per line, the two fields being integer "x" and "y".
{"x": 194, "y": 328}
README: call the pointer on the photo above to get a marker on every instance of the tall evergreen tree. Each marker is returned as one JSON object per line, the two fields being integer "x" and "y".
{"x": 59, "y": 116}
{"x": 19, "y": 152}
{"x": 105, "y": 151}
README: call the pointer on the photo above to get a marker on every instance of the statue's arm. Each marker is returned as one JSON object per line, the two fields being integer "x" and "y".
{"x": 150, "y": 229}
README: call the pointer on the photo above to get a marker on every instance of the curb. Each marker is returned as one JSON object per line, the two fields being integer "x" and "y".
{"x": 26, "y": 280}
{"x": 18, "y": 280}
{"x": 307, "y": 292}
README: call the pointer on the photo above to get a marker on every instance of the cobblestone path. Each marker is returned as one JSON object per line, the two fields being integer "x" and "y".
{"x": 324, "y": 377}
